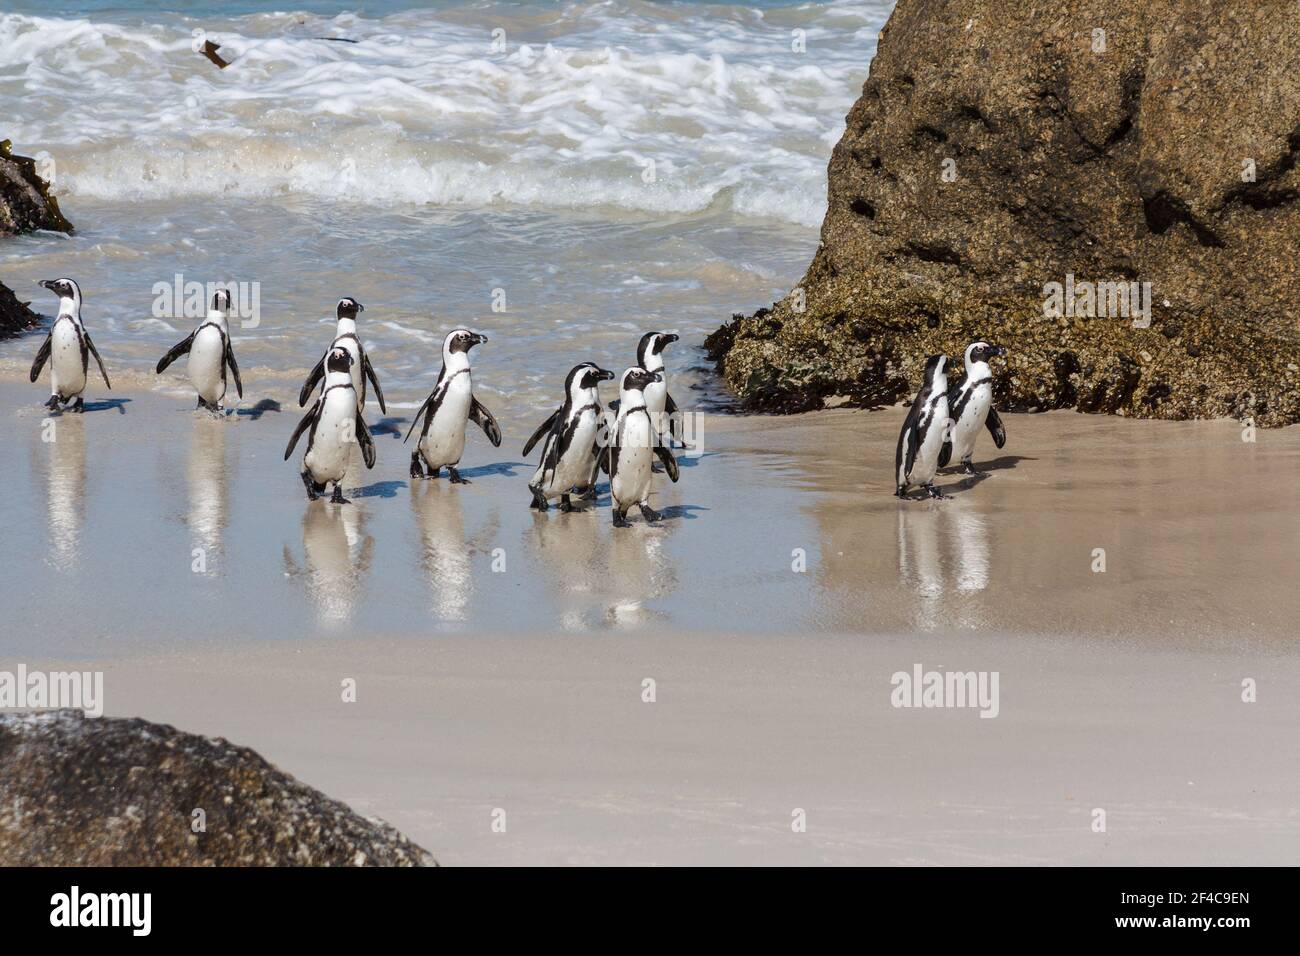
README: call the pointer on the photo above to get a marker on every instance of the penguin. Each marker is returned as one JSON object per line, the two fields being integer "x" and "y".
{"x": 211, "y": 353}
{"x": 630, "y": 451}
{"x": 345, "y": 336}
{"x": 571, "y": 433}
{"x": 67, "y": 348}
{"x": 924, "y": 431}
{"x": 447, "y": 409}
{"x": 333, "y": 425}
{"x": 660, "y": 405}
{"x": 970, "y": 405}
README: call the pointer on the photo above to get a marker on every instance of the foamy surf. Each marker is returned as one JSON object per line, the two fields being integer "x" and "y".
{"x": 671, "y": 109}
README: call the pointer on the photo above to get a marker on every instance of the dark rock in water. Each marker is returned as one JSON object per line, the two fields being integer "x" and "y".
{"x": 14, "y": 315}
{"x": 78, "y": 791}
{"x": 25, "y": 205}
{"x": 1000, "y": 146}
{"x": 25, "y": 201}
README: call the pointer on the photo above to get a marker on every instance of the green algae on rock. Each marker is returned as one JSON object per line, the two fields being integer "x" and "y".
{"x": 1001, "y": 147}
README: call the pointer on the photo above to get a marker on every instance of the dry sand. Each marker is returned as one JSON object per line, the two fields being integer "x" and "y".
{"x": 522, "y": 689}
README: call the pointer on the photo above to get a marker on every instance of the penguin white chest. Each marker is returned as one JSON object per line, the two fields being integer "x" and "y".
{"x": 574, "y": 466}
{"x": 207, "y": 354}
{"x": 967, "y": 428}
{"x": 630, "y": 484}
{"x": 67, "y": 373}
{"x": 336, "y": 433}
{"x": 934, "y": 431}
{"x": 444, "y": 442}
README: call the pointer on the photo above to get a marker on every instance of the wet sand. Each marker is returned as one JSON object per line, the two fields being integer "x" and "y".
{"x": 521, "y": 689}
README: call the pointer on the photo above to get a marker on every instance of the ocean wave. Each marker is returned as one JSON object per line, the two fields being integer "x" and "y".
{"x": 662, "y": 110}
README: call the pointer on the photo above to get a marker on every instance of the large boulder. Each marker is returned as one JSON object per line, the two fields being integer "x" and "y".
{"x": 1001, "y": 146}
{"x": 15, "y": 316}
{"x": 80, "y": 791}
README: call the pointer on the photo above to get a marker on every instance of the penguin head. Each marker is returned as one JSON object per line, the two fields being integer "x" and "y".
{"x": 63, "y": 288}
{"x": 586, "y": 376}
{"x": 348, "y": 308}
{"x": 935, "y": 366}
{"x": 982, "y": 351}
{"x": 460, "y": 341}
{"x": 221, "y": 301}
{"x": 650, "y": 349}
{"x": 339, "y": 360}
{"x": 636, "y": 379}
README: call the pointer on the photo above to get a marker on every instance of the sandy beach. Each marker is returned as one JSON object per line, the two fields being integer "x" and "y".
{"x": 522, "y": 689}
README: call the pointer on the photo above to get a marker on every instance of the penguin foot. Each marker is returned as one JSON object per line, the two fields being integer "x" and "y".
{"x": 566, "y": 505}
{"x": 417, "y": 469}
{"x": 588, "y": 493}
{"x": 312, "y": 493}
{"x": 968, "y": 469}
{"x": 79, "y": 405}
{"x": 338, "y": 498}
{"x": 933, "y": 492}
{"x": 539, "y": 500}
{"x": 620, "y": 520}
{"x": 649, "y": 513}
{"x": 455, "y": 477}
{"x": 901, "y": 492}
{"x": 53, "y": 403}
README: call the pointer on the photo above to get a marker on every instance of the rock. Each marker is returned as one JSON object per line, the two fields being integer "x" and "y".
{"x": 25, "y": 201}
{"x": 1000, "y": 146}
{"x": 14, "y": 315}
{"x": 79, "y": 791}
{"x": 25, "y": 205}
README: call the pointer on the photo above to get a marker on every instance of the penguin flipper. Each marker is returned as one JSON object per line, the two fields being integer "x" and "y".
{"x": 369, "y": 371}
{"x": 542, "y": 430}
{"x": 307, "y": 421}
{"x": 481, "y": 417}
{"x": 670, "y": 407}
{"x": 945, "y": 454}
{"x": 98, "y": 361}
{"x": 909, "y": 441}
{"x": 313, "y": 377}
{"x": 42, "y": 356}
{"x": 234, "y": 368}
{"x": 431, "y": 404}
{"x": 670, "y": 463}
{"x": 176, "y": 351}
{"x": 994, "y": 424}
{"x": 365, "y": 441}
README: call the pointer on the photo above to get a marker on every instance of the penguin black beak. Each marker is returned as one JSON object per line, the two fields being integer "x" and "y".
{"x": 998, "y": 350}
{"x": 360, "y": 307}
{"x": 604, "y": 375}
{"x": 657, "y": 377}
{"x": 671, "y": 337}
{"x": 477, "y": 338}
{"x": 46, "y": 284}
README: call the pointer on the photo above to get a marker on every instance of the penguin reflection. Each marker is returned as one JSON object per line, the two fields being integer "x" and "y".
{"x": 64, "y": 439}
{"x": 943, "y": 550}
{"x": 337, "y": 550}
{"x": 567, "y": 549}
{"x": 446, "y": 555}
{"x": 639, "y": 571}
{"x": 207, "y": 486}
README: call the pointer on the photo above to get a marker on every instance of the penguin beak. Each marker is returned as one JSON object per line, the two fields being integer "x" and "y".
{"x": 360, "y": 307}
{"x": 477, "y": 338}
{"x": 604, "y": 374}
{"x": 997, "y": 350}
{"x": 46, "y": 284}
{"x": 670, "y": 337}
{"x": 657, "y": 377}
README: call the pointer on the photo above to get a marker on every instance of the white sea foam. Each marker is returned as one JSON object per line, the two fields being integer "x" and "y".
{"x": 668, "y": 110}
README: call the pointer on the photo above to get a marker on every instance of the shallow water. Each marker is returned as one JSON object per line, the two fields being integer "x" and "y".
{"x": 606, "y": 169}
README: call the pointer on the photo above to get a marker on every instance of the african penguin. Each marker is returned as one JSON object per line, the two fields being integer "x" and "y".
{"x": 924, "y": 430}
{"x": 631, "y": 449}
{"x": 211, "y": 353}
{"x": 345, "y": 336}
{"x": 570, "y": 448}
{"x": 447, "y": 409}
{"x": 662, "y": 408}
{"x": 67, "y": 348}
{"x": 333, "y": 425}
{"x": 970, "y": 407}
